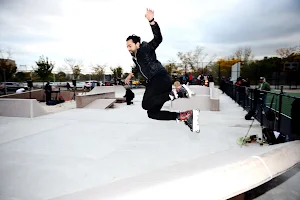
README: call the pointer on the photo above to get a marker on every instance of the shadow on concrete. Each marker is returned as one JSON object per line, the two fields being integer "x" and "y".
{"x": 285, "y": 187}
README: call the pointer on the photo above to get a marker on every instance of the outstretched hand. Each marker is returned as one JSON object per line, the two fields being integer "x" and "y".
{"x": 127, "y": 80}
{"x": 149, "y": 14}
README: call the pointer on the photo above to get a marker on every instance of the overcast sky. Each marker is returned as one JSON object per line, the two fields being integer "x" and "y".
{"x": 95, "y": 31}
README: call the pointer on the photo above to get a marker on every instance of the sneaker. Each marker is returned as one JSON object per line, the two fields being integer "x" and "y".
{"x": 185, "y": 115}
{"x": 190, "y": 119}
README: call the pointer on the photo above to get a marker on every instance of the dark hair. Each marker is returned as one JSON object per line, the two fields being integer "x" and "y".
{"x": 134, "y": 38}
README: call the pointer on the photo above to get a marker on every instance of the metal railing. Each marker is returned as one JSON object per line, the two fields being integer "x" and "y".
{"x": 261, "y": 102}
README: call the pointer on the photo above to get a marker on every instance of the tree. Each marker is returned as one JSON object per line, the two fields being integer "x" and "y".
{"x": 199, "y": 55}
{"x": 84, "y": 77}
{"x": 76, "y": 71}
{"x": 243, "y": 54}
{"x": 117, "y": 72}
{"x": 286, "y": 52}
{"x": 125, "y": 75}
{"x": 44, "y": 68}
{"x": 20, "y": 76}
{"x": 99, "y": 71}
{"x": 248, "y": 56}
{"x": 238, "y": 53}
{"x": 61, "y": 76}
{"x": 212, "y": 69}
{"x": 171, "y": 67}
{"x": 209, "y": 67}
{"x": 7, "y": 66}
{"x": 192, "y": 58}
{"x": 225, "y": 66}
{"x": 75, "y": 66}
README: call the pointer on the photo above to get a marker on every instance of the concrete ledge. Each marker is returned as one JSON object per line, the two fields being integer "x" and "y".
{"x": 200, "y": 90}
{"x": 21, "y": 108}
{"x": 39, "y": 95}
{"x": 214, "y": 99}
{"x": 201, "y": 102}
{"x": 100, "y": 92}
{"x": 206, "y": 99}
{"x": 84, "y": 100}
{"x": 101, "y": 104}
{"x": 35, "y": 94}
{"x": 185, "y": 181}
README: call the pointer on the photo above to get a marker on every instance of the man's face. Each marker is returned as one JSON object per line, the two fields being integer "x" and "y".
{"x": 132, "y": 48}
{"x": 261, "y": 80}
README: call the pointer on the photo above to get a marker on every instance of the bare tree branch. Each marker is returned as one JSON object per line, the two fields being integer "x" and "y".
{"x": 247, "y": 54}
{"x": 286, "y": 52}
{"x": 239, "y": 53}
{"x": 75, "y": 66}
{"x": 192, "y": 58}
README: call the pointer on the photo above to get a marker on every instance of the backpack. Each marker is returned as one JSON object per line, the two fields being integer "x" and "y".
{"x": 249, "y": 115}
{"x": 270, "y": 138}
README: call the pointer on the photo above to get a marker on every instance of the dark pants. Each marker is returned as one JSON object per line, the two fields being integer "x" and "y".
{"x": 156, "y": 94}
{"x": 48, "y": 96}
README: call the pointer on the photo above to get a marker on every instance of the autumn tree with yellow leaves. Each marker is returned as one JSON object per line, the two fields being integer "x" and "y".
{"x": 241, "y": 54}
{"x": 226, "y": 64}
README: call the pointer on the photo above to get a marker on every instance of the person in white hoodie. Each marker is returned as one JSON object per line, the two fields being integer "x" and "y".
{"x": 20, "y": 90}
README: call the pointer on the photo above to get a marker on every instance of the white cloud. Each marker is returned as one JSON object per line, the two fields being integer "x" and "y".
{"x": 94, "y": 31}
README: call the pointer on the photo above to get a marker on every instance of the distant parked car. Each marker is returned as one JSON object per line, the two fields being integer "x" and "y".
{"x": 10, "y": 86}
{"x": 108, "y": 83}
{"x": 88, "y": 84}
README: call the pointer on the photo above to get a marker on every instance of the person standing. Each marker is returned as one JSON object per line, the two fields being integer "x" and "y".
{"x": 48, "y": 90}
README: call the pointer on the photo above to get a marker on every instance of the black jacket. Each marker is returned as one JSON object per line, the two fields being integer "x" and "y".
{"x": 146, "y": 62}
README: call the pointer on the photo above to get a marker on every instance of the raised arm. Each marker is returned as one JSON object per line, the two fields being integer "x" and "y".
{"x": 154, "y": 43}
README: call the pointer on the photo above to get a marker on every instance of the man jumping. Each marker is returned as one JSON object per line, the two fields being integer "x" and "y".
{"x": 158, "y": 81}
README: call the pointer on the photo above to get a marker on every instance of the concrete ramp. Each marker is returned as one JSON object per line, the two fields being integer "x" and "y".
{"x": 200, "y": 90}
{"x": 119, "y": 90}
{"x": 201, "y": 102}
{"x": 21, "y": 108}
{"x": 101, "y": 104}
{"x": 214, "y": 99}
{"x": 100, "y": 90}
{"x": 188, "y": 181}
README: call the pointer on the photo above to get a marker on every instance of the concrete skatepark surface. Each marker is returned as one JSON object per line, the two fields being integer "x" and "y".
{"x": 92, "y": 153}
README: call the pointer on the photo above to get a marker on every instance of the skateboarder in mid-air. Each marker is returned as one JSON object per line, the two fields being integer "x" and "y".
{"x": 158, "y": 81}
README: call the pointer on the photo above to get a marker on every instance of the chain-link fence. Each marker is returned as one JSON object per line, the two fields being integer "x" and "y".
{"x": 275, "y": 110}
{"x": 276, "y": 73}
{"x": 192, "y": 72}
